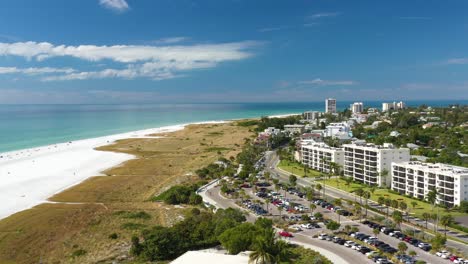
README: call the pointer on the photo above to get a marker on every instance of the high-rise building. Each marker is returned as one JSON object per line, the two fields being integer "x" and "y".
{"x": 417, "y": 179}
{"x": 366, "y": 162}
{"x": 393, "y": 106}
{"x": 319, "y": 156}
{"x": 330, "y": 105}
{"x": 356, "y": 107}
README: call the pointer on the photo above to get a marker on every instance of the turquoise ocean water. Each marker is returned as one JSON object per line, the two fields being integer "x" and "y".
{"x": 27, "y": 126}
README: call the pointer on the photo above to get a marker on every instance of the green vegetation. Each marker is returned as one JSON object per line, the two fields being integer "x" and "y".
{"x": 133, "y": 215}
{"x": 180, "y": 194}
{"x": 132, "y": 226}
{"x": 78, "y": 253}
{"x": 217, "y": 149}
{"x": 298, "y": 169}
{"x": 440, "y": 143}
{"x": 382, "y": 194}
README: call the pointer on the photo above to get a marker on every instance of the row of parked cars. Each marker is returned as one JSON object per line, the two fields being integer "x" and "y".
{"x": 449, "y": 256}
{"x": 374, "y": 241}
{"x": 374, "y": 255}
{"x": 398, "y": 234}
{"x": 331, "y": 207}
{"x": 254, "y": 207}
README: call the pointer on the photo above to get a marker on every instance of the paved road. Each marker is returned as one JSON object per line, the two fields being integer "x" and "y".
{"x": 271, "y": 166}
{"x": 338, "y": 254}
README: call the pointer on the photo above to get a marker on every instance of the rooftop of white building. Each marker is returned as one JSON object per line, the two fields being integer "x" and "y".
{"x": 440, "y": 167}
{"x": 371, "y": 145}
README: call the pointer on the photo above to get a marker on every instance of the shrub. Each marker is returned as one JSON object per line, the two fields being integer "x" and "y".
{"x": 113, "y": 236}
{"x": 78, "y": 253}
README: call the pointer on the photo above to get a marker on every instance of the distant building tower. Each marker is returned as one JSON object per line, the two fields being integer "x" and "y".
{"x": 357, "y": 107}
{"x": 311, "y": 115}
{"x": 330, "y": 105}
{"x": 393, "y": 106}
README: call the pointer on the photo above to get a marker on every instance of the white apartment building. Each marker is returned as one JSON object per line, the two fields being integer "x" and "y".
{"x": 339, "y": 130}
{"x": 272, "y": 131}
{"x": 319, "y": 155}
{"x": 330, "y": 105}
{"x": 393, "y": 106}
{"x": 417, "y": 179}
{"x": 311, "y": 115}
{"x": 365, "y": 162}
{"x": 357, "y": 107}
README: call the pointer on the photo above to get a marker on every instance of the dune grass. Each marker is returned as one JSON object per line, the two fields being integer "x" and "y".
{"x": 86, "y": 215}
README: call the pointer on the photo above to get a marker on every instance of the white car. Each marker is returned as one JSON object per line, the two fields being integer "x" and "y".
{"x": 322, "y": 236}
{"x": 443, "y": 254}
{"x": 349, "y": 243}
{"x": 394, "y": 233}
{"x": 296, "y": 228}
{"x": 459, "y": 261}
{"x": 368, "y": 254}
{"x": 421, "y": 245}
{"x": 370, "y": 239}
{"x": 307, "y": 226}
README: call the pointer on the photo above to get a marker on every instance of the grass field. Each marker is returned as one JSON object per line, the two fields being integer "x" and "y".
{"x": 77, "y": 228}
{"x": 297, "y": 168}
{"x": 417, "y": 211}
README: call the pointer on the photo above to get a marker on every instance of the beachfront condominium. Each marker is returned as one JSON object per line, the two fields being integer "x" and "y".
{"x": 330, "y": 105}
{"x": 371, "y": 164}
{"x": 393, "y": 106}
{"x": 417, "y": 179}
{"x": 357, "y": 107}
{"x": 319, "y": 156}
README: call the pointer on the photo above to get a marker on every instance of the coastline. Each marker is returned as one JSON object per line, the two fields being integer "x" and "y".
{"x": 31, "y": 176}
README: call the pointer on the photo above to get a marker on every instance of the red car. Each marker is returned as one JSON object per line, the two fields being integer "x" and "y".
{"x": 407, "y": 239}
{"x": 453, "y": 258}
{"x": 285, "y": 234}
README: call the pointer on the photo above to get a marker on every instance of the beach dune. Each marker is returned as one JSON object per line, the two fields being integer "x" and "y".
{"x": 28, "y": 177}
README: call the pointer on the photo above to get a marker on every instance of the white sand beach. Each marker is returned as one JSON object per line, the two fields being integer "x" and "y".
{"x": 28, "y": 177}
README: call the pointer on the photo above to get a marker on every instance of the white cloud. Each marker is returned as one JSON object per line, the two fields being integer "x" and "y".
{"x": 116, "y": 5}
{"x": 130, "y": 53}
{"x": 457, "y": 61}
{"x": 269, "y": 29}
{"x": 171, "y": 40}
{"x": 323, "y": 15}
{"x": 320, "y": 82}
{"x": 35, "y": 71}
{"x": 154, "y": 62}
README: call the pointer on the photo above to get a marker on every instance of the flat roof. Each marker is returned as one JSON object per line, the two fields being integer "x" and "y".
{"x": 204, "y": 257}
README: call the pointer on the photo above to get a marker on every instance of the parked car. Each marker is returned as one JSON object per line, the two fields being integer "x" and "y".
{"x": 349, "y": 243}
{"x": 443, "y": 254}
{"x": 307, "y": 226}
{"x": 285, "y": 234}
{"x": 322, "y": 236}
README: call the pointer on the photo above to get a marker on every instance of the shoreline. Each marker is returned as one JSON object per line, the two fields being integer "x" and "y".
{"x": 31, "y": 176}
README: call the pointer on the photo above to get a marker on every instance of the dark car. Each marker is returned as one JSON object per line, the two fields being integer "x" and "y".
{"x": 426, "y": 248}
{"x": 364, "y": 250}
{"x": 388, "y": 231}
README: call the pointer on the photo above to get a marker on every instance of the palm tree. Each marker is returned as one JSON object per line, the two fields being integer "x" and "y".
{"x": 414, "y": 204}
{"x": 359, "y": 192}
{"x": 402, "y": 247}
{"x": 347, "y": 228}
{"x": 434, "y": 217}
{"x": 267, "y": 202}
{"x": 357, "y": 209}
{"x": 262, "y": 250}
{"x": 381, "y": 200}
{"x": 383, "y": 175}
{"x": 445, "y": 221}
{"x": 348, "y": 181}
{"x": 397, "y": 217}
{"x": 432, "y": 198}
{"x": 338, "y": 203}
{"x": 280, "y": 209}
{"x": 412, "y": 253}
{"x": 426, "y": 216}
{"x": 376, "y": 232}
{"x": 318, "y": 187}
{"x": 403, "y": 206}
{"x": 312, "y": 207}
{"x": 388, "y": 202}
{"x": 366, "y": 195}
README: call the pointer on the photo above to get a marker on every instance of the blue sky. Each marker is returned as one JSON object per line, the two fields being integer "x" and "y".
{"x": 132, "y": 51}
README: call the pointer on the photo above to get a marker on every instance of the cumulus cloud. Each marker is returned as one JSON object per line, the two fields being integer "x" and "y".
{"x": 320, "y": 82}
{"x": 35, "y": 71}
{"x": 116, "y": 5}
{"x": 133, "y": 61}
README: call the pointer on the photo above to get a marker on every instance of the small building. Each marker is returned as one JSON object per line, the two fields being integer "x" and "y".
{"x": 294, "y": 129}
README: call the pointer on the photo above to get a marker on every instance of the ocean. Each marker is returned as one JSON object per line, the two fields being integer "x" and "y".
{"x": 27, "y": 126}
